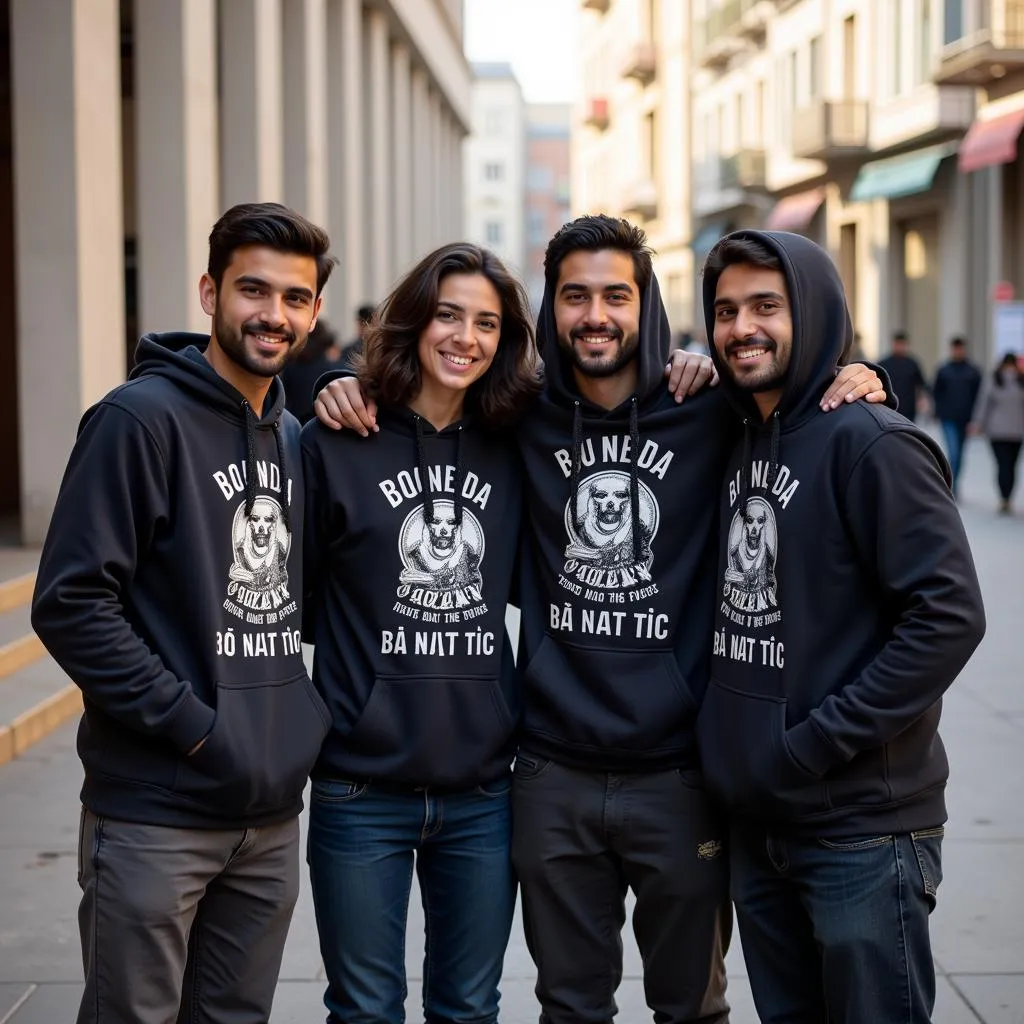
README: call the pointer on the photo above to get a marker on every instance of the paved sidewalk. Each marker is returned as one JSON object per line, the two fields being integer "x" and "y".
{"x": 978, "y": 927}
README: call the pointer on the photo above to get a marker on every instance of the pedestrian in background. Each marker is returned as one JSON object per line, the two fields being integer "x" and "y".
{"x": 999, "y": 416}
{"x": 955, "y": 394}
{"x": 354, "y": 348}
{"x": 905, "y": 375}
{"x": 299, "y": 376}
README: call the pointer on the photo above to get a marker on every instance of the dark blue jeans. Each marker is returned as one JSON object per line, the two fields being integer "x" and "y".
{"x": 837, "y": 931}
{"x": 363, "y": 842}
{"x": 955, "y": 435}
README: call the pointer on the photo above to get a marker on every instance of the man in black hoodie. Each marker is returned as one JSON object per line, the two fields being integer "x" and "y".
{"x": 848, "y": 604}
{"x": 168, "y": 590}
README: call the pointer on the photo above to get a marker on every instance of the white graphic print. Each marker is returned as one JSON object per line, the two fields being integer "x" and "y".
{"x": 439, "y": 553}
{"x": 750, "y": 582}
{"x": 602, "y": 533}
{"x": 260, "y": 542}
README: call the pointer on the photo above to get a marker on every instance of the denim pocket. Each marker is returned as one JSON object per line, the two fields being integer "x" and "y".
{"x": 530, "y": 766}
{"x": 336, "y": 791}
{"x": 856, "y": 843}
{"x": 496, "y": 788}
{"x": 927, "y": 845}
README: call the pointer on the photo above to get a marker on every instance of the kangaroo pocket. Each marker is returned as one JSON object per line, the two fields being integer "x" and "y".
{"x": 745, "y": 759}
{"x": 258, "y": 755}
{"x": 634, "y": 701}
{"x": 433, "y": 731}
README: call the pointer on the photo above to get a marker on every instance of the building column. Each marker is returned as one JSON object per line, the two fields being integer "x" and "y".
{"x": 251, "y": 135}
{"x": 380, "y": 154}
{"x": 402, "y": 145}
{"x": 176, "y": 158}
{"x": 422, "y": 165}
{"x": 440, "y": 228}
{"x": 346, "y": 220}
{"x": 304, "y": 42}
{"x": 69, "y": 235}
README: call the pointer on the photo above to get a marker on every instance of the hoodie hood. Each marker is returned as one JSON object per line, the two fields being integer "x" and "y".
{"x": 652, "y": 353}
{"x": 179, "y": 357}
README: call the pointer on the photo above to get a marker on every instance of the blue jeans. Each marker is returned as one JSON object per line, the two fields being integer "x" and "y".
{"x": 363, "y": 841}
{"x": 837, "y": 931}
{"x": 955, "y": 435}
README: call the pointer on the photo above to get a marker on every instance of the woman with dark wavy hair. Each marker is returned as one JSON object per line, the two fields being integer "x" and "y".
{"x": 410, "y": 546}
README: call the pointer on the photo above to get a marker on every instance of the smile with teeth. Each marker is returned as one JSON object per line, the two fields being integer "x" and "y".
{"x": 742, "y": 354}
{"x": 457, "y": 360}
{"x": 596, "y": 339}
{"x": 269, "y": 339}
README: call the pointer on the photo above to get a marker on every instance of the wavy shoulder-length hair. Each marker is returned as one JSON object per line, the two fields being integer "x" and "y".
{"x": 389, "y": 369}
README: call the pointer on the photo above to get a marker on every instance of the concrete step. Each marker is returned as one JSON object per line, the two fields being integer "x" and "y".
{"x": 34, "y": 700}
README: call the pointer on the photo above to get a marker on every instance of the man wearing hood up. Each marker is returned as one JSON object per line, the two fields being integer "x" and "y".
{"x": 617, "y": 596}
{"x": 168, "y": 590}
{"x": 818, "y": 731}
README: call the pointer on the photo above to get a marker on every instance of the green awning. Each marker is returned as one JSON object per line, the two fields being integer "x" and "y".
{"x": 703, "y": 242}
{"x": 898, "y": 176}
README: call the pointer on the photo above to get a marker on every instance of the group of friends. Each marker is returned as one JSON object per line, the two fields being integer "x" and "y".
{"x": 740, "y": 606}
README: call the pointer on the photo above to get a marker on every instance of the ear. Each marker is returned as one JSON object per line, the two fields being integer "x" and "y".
{"x": 316, "y": 310}
{"x": 208, "y": 294}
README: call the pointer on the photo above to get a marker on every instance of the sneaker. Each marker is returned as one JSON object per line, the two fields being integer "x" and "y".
{"x": 1004, "y": 508}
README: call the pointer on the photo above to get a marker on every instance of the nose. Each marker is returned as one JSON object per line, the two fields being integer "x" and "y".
{"x": 744, "y": 325}
{"x": 596, "y": 313}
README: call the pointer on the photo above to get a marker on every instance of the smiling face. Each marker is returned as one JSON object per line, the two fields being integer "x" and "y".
{"x": 458, "y": 346}
{"x": 597, "y": 311}
{"x": 754, "y": 330}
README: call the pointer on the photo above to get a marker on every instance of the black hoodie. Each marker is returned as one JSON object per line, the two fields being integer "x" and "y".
{"x": 617, "y": 571}
{"x": 848, "y": 596}
{"x": 410, "y": 548}
{"x": 168, "y": 590}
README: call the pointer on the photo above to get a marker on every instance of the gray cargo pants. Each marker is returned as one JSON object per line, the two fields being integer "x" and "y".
{"x": 183, "y": 925}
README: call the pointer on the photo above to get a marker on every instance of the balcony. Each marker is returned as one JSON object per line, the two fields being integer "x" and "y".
{"x": 754, "y": 18}
{"x": 987, "y": 51}
{"x": 601, "y": 6}
{"x": 744, "y": 169}
{"x": 596, "y": 113}
{"x": 641, "y": 200}
{"x": 831, "y": 130}
{"x": 718, "y": 37}
{"x": 931, "y": 113}
{"x": 641, "y": 63}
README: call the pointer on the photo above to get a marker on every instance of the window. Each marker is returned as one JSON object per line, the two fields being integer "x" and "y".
{"x": 536, "y": 228}
{"x": 924, "y": 71}
{"x": 494, "y": 121}
{"x": 651, "y": 144}
{"x": 850, "y": 57}
{"x": 814, "y": 67}
{"x": 494, "y": 171}
{"x": 494, "y": 232}
{"x": 539, "y": 178}
{"x": 952, "y": 21}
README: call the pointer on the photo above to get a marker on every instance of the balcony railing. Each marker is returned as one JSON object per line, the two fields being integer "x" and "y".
{"x": 744, "y": 169}
{"x": 601, "y": 6}
{"x": 641, "y": 63}
{"x": 717, "y": 38}
{"x": 596, "y": 113}
{"x": 641, "y": 200}
{"x": 990, "y": 45}
{"x": 831, "y": 130}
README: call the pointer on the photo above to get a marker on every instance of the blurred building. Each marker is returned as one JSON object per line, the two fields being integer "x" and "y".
{"x": 630, "y": 141}
{"x": 547, "y": 205}
{"x": 127, "y": 128}
{"x": 494, "y": 164}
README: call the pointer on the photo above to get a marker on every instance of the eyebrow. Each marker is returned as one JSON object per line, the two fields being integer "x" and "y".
{"x": 753, "y": 297}
{"x": 574, "y": 286}
{"x": 446, "y": 304}
{"x": 260, "y": 283}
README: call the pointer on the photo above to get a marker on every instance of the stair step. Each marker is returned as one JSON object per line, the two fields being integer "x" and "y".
{"x": 14, "y": 624}
{"x": 34, "y": 700}
{"x": 17, "y": 591}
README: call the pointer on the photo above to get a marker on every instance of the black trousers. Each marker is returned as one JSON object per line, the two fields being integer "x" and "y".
{"x": 1007, "y": 453}
{"x": 580, "y": 840}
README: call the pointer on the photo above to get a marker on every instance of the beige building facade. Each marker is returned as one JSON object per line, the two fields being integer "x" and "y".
{"x": 128, "y": 127}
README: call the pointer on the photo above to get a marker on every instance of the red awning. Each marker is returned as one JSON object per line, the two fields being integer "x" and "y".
{"x": 795, "y": 213}
{"x": 992, "y": 142}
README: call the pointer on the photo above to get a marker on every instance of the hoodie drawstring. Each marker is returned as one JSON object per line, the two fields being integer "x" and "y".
{"x": 286, "y": 505}
{"x": 634, "y": 480}
{"x": 250, "y": 466}
{"x": 746, "y": 462}
{"x": 421, "y": 462}
{"x": 773, "y": 451}
{"x": 574, "y": 475}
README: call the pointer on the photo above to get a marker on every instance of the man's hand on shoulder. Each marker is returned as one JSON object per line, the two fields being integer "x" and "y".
{"x": 688, "y": 373}
{"x": 341, "y": 404}
{"x": 853, "y": 383}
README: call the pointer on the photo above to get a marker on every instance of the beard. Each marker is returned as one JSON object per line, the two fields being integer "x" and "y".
{"x": 764, "y": 378}
{"x": 233, "y": 344}
{"x": 603, "y": 365}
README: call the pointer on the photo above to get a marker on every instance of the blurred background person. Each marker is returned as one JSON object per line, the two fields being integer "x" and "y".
{"x": 299, "y": 376}
{"x": 955, "y": 394}
{"x": 1000, "y": 417}
{"x": 905, "y": 374}
{"x": 355, "y": 347}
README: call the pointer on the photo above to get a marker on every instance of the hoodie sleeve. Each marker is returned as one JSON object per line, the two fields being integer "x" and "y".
{"x": 314, "y": 547}
{"x": 112, "y": 499}
{"x": 907, "y": 532}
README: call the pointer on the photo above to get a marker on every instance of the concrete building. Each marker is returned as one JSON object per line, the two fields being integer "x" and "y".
{"x": 494, "y": 164}
{"x": 547, "y": 200}
{"x": 827, "y": 117}
{"x": 631, "y": 132}
{"x": 127, "y": 127}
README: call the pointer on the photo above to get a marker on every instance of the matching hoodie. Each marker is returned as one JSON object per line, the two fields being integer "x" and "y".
{"x": 618, "y": 561}
{"x": 168, "y": 590}
{"x": 410, "y": 547}
{"x": 847, "y": 596}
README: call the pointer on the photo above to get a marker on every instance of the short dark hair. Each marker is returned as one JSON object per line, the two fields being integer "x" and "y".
{"x": 958, "y": 342}
{"x": 729, "y": 252}
{"x": 271, "y": 225}
{"x": 900, "y": 335}
{"x": 364, "y": 313}
{"x": 595, "y": 233}
{"x": 389, "y": 366}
